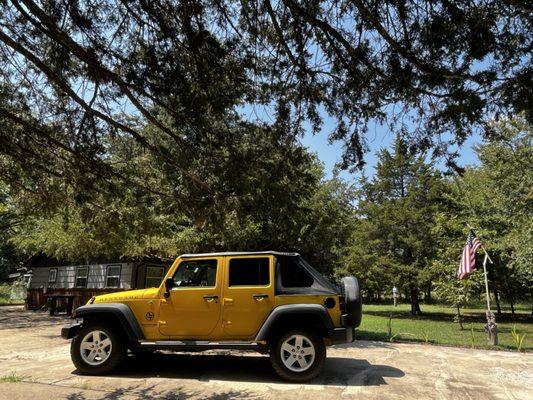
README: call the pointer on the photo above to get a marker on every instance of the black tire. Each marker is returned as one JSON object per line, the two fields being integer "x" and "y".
{"x": 292, "y": 376}
{"x": 117, "y": 355}
{"x": 352, "y": 298}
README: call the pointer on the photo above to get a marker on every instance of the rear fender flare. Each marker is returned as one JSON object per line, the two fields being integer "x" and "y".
{"x": 294, "y": 309}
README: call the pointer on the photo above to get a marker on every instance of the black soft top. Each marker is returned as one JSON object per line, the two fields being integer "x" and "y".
{"x": 294, "y": 275}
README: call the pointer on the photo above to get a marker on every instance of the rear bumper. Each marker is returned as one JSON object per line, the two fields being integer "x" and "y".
{"x": 69, "y": 331}
{"x": 342, "y": 335}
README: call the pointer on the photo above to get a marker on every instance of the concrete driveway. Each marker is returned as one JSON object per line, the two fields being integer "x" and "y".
{"x": 35, "y": 364}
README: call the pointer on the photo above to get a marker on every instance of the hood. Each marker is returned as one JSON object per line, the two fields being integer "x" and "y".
{"x": 138, "y": 294}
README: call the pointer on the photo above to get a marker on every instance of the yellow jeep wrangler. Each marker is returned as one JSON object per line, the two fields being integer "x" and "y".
{"x": 269, "y": 302}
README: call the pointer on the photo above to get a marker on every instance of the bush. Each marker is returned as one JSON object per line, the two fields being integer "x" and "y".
{"x": 12, "y": 293}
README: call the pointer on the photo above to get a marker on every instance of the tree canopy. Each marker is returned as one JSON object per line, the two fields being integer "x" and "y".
{"x": 74, "y": 73}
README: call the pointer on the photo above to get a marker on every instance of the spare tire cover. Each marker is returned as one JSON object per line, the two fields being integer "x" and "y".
{"x": 352, "y": 298}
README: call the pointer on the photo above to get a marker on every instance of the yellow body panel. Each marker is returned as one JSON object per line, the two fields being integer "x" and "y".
{"x": 334, "y": 313}
{"x": 237, "y": 314}
{"x": 144, "y": 303}
{"x": 185, "y": 314}
{"x": 243, "y": 314}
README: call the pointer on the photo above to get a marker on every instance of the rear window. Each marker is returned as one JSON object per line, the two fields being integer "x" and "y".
{"x": 249, "y": 272}
{"x": 293, "y": 274}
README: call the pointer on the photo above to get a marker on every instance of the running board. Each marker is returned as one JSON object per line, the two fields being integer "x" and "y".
{"x": 195, "y": 345}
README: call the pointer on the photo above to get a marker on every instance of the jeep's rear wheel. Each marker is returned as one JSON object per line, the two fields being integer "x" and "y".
{"x": 96, "y": 349}
{"x": 298, "y": 356}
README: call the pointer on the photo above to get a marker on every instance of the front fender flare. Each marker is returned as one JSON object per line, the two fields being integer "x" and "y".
{"x": 120, "y": 311}
{"x": 291, "y": 309}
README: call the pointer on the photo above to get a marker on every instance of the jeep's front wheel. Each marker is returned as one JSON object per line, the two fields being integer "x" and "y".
{"x": 298, "y": 356}
{"x": 97, "y": 350}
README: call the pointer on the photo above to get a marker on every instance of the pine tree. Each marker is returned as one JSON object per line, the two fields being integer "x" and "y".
{"x": 392, "y": 244}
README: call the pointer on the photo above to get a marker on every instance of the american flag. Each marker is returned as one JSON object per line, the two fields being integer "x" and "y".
{"x": 468, "y": 259}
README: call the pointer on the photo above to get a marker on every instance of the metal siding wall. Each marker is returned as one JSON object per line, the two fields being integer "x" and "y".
{"x": 66, "y": 276}
{"x": 39, "y": 278}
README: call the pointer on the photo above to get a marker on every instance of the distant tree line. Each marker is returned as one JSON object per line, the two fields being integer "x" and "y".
{"x": 412, "y": 221}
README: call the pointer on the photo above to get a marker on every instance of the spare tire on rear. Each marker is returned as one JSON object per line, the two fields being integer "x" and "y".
{"x": 352, "y": 298}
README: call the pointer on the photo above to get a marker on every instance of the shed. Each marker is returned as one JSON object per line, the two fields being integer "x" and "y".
{"x": 51, "y": 277}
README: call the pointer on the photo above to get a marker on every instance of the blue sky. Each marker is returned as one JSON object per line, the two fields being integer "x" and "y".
{"x": 378, "y": 138}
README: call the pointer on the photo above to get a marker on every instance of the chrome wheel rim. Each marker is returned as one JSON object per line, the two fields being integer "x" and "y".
{"x": 297, "y": 353}
{"x": 95, "y": 348}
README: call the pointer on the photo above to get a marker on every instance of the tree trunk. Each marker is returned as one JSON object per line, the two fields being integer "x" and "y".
{"x": 415, "y": 305}
{"x": 512, "y": 307}
{"x": 427, "y": 294}
{"x": 497, "y": 300}
{"x": 459, "y": 318}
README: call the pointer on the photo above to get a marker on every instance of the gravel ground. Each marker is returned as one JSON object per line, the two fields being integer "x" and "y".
{"x": 35, "y": 364}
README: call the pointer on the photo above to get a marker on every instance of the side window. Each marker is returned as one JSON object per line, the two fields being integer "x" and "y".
{"x": 293, "y": 274}
{"x": 196, "y": 273}
{"x": 113, "y": 276}
{"x": 249, "y": 272}
{"x": 52, "y": 275}
{"x": 81, "y": 276}
{"x": 154, "y": 275}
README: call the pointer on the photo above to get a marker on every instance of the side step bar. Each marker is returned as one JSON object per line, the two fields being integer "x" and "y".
{"x": 194, "y": 345}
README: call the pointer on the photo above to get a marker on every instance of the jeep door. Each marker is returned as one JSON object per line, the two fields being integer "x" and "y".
{"x": 248, "y": 294}
{"x": 193, "y": 308}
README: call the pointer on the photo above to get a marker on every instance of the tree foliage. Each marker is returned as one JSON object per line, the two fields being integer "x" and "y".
{"x": 496, "y": 199}
{"x": 392, "y": 244}
{"x": 274, "y": 198}
{"x": 10, "y": 258}
{"x": 74, "y": 73}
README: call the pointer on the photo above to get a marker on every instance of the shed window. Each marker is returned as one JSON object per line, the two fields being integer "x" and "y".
{"x": 154, "y": 275}
{"x": 112, "y": 276}
{"x": 81, "y": 276}
{"x": 249, "y": 272}
{"x": 52, "y": 275}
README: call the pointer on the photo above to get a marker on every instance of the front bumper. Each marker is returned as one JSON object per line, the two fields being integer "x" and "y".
{"x": 342, "y": 335}
{"x": 69, "y": 331}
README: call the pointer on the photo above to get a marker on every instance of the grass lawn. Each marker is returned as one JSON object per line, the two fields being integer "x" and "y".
{"x": 436, "y": 326}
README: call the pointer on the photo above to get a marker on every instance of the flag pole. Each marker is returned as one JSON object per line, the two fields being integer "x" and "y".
{"x": 486, "y": 280}
{"x": 492, "y": 326}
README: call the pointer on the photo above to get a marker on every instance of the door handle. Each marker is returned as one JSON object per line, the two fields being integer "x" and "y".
{"x": 260, "y": 297}
{"x": 227, "y": 301}
{"x": 210, "y": 299}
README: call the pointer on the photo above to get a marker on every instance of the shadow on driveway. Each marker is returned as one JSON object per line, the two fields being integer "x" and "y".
{"x": 338, "y": 371}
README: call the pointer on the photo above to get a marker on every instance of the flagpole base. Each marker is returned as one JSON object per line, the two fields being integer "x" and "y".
{"x": 492, "y": 329}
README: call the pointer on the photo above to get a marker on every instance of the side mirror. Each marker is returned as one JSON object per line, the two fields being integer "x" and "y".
{"x": 169, "y": 284}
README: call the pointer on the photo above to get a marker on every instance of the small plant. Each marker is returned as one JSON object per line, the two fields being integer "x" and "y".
{"x": 425, "y": 336}
{"x": 391, "y": 338}
{"x": 12, "y": 378}
{"x": 518, "y": 338}
{"x": 84, "y": 385}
